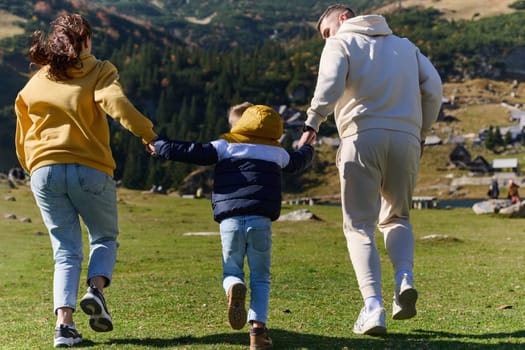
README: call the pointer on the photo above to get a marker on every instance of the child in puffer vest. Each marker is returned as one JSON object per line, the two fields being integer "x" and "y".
{"x": 246, "y": 199}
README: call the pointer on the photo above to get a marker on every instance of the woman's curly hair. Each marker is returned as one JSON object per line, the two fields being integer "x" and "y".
{"x": 61, "y": 48}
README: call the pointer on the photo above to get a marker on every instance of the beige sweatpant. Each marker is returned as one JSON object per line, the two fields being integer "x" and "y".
{"x": 378, "y": 170}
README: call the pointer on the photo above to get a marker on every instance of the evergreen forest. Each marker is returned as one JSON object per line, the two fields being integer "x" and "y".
{"x": 184, "y": 77}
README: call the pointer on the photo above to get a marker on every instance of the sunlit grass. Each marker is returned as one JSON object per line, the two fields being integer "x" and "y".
{"x": 167, "y": 289}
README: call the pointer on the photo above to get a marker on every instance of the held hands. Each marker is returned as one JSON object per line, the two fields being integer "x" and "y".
{"x": 158, "y": 143}
{"x": 150, "y": 148}
{"x": 307, "y": 138}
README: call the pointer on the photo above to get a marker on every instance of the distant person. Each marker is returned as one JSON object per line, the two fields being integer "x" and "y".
{"x": 384, "y": 95}
{"x": 513, "y": 192}
{"x": 493, "y": 188}
{"x": 246, "y": 199}
{"x": 62, "y": 141}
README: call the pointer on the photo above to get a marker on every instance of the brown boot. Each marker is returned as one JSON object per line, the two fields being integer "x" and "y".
{"x": 236, "y": 308}
{"x": 259, "y": 338}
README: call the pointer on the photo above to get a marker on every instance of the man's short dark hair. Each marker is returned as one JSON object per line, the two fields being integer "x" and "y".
{"x": 334, "y": 8}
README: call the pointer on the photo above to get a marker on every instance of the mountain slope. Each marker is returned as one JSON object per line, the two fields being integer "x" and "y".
{"x": 186, "y": 77}
{"x": 464, "y": 9}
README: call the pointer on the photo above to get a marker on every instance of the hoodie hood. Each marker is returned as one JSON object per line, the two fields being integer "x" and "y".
{"x": 88, "y": 62}
{"x": 371, "y": 25}
{"x": 86, "y": 65}
{"x": 258, "y": 124}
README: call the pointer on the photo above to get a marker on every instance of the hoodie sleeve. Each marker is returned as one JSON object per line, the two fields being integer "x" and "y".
{"x": 331, "y": 81}
{"x": 431, "y": 93}
{"x": 187, "y": 152}
{"x": 23, "y": 123}
{"x": 300, "y": 159}
{"x": 111, "y": 98}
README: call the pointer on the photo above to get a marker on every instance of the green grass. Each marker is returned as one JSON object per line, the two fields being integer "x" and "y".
{"x": 167, "y": 293}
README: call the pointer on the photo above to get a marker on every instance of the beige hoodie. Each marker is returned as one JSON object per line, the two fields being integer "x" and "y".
{"x": 370, "y": 78}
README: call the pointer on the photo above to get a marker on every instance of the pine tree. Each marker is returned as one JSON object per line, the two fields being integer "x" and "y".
{"x": 490, "y": 139}
{"x": 498, "y": 137}
{"x": 136, "y": 165}
{"x": 508, "y": 138}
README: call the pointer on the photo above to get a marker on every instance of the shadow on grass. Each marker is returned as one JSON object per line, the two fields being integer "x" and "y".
{"x": 418, "y": 339}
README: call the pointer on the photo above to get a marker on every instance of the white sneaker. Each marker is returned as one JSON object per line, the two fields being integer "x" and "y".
{"x": 405, "y": 297}
{"x": 371, "y": 323}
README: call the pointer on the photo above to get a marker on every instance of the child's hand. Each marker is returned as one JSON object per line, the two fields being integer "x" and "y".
{"x": 150, "y": 148}
{"x": 307, "y": 138}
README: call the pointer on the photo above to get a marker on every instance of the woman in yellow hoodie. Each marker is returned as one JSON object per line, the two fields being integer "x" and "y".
{"x": 62, "y": 141}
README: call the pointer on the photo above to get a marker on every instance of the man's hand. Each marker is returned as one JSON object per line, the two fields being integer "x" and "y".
{"x": 307, "y": 138}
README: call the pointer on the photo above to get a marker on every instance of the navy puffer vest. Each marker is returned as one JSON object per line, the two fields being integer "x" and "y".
{"x": 246, "y": 187}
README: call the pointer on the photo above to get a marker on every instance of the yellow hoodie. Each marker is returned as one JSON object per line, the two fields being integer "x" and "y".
{"x": 64, "y": 122}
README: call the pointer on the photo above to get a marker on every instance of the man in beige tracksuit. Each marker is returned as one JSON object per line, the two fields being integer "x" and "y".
{"x": 384, "y": 95}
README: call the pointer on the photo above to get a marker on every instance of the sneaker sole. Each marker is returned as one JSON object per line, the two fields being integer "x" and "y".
{"x": 65, "y": 342}
{"x": 236, "y": 308}
{"x": 375, "y": 331}
{"x": 100, "y": 324}
{"x": 100, "y": 321}
{"x": 407, "y": 303}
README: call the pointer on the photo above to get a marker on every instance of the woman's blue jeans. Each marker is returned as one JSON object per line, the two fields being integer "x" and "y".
{"x": 65, "y": 193}
{"x": 249, "y": 236}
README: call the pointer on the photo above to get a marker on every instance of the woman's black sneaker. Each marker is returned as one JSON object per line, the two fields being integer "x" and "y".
{"x": 66, "y": 336}
{"x": 94, "y": 304}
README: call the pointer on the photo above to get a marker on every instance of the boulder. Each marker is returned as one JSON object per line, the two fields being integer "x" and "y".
{"x": 299, "y": 215}
{"x": 490, "y": 206}
{"x": 514, "y": 211}
{"x": 500, "y": 206}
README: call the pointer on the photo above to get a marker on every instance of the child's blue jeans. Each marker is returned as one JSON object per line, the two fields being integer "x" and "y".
{"x": 249, "y": 236}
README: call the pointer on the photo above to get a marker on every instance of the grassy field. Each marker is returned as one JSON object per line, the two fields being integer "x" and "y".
{"x": 167, "y": 289}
